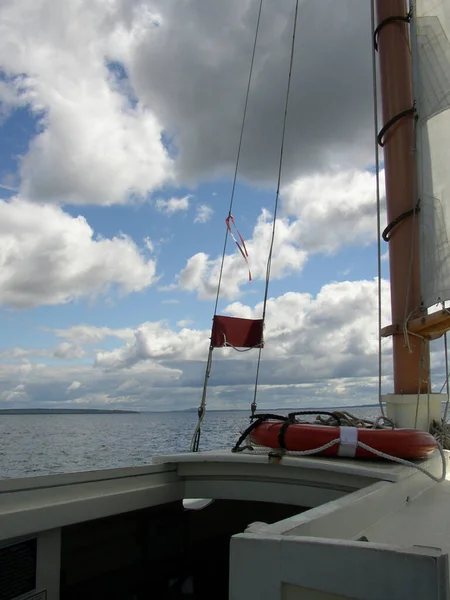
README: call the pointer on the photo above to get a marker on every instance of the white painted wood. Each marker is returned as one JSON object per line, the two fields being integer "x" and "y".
{"x": 196, "y": 503}
{"x": 425, "y": 520}
{"x": 32, "y": 510}
{"x": 36, "y": 504}
{"x": 267, "y": 491}
{"x": 47, "y": 481}
{"x": 350, "y": 516}
{"x": 401, "y": 409}
{"x": 274, "y": 472}
{"x": 372, "y": 469}
{"x": 260, "y": 565}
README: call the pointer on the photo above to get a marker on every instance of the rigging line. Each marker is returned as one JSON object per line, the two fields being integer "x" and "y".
{"x": 277, "y": 195}
{"x": 233, "y": 189}
{"x": 202, "y": 408}
{"x": 415, "y": 222}
{"x": 447, "y": 375}
{"x": 378, "y": 200}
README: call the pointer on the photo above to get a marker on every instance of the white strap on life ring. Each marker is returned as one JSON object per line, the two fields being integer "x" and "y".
{"x": 348, "y": 441}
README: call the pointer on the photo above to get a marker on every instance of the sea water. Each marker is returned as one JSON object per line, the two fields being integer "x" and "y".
{"x": 43, "y": 444}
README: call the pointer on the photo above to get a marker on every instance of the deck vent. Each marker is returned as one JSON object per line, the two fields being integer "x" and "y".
{"x": 18, "y": 569}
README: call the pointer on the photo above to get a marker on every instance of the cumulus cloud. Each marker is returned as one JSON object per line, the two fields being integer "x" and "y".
{"x": 193, "y": 70}
{"x": 332, "y": 335}
{"x": 88, "y": 335}
{"x": 10, "y": 96}
{"x": 320, "y": 350}
{"x": 333, "y": 209}
{"x": 82, "y": 386}
{"x": 156, "y": 341}
{"x": 203, "y": 213}
{"x": 319, "y": 213}
{"x": 97, "y": 142}
{"x": 184, "y": 323}
{"x": 113, "y": 83}
{"x": 130, "y": 96}
{"x": 172, "y": 205}
{"x": 67, "y": 351}
{"x": 49, "y": 257}
{"x": 201, "y": 273}
{"x": 75, "y": 385}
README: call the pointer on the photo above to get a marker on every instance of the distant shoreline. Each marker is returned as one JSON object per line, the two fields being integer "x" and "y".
{"x": 268, "y": 410}
{"x": 100, "y": 411}
{"x": 64, "y": 411}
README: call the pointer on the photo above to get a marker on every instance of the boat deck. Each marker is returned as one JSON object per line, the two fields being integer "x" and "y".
{"x": 353, "y": 511}
{"x": 423, "y": 521}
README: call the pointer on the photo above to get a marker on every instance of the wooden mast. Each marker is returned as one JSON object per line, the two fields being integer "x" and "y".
{"x": 401, "y": 195}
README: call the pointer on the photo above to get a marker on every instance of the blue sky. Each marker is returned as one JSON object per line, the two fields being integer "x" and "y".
{"x": 116, "y": 162}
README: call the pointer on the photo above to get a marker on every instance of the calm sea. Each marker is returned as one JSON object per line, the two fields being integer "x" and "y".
{"x": 43, "y": 444}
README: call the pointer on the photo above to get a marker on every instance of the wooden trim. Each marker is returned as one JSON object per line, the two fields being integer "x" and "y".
{"x": 430, "y": 327}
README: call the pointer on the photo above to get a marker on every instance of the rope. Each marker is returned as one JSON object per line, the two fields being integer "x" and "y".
{"x": 277, "y": 198}
{"x": 346, "y": 419}
{"x": 378, "y": 198}
{"x": 341, "y": 418}
{"x": 375, "y": 452}
{"x": 241, "y": 135}
{"x": 440, "y": 431}
{"x": 447, "y": 375}
{"x": 195, "y": 442}
{"x": 335, "y": 418}
{"x": 424, "y": 346}
{"x": 422, "y": 364}
{"x": 202, "y": 408}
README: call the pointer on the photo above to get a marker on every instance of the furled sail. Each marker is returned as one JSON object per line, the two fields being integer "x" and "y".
{"x": 431, "y": 80}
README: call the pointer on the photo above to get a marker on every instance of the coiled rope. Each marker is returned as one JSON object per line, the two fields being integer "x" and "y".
{"x": 334, "y": 419}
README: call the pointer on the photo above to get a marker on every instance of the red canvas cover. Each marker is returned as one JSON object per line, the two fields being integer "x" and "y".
{"x": 233, "y": 331}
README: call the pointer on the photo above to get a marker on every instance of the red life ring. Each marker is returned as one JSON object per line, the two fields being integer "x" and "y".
{"x": 401, "y": 443}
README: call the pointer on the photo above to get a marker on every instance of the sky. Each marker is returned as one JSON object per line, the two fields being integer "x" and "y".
{"x": 119, "y": 128}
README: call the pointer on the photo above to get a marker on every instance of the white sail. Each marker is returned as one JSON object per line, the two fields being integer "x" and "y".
{"x": 431, "y": 77}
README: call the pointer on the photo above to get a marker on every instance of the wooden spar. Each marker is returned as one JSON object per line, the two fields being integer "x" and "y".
{"x": 401, "y": 194}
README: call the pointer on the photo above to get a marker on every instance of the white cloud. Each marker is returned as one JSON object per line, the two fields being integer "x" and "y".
{"x": 98, "y": 143}
{"x": 184, "y": 323}
{"x": 319, "y": 213}
{"x": 89, "y": 335}
{"x": 75, "y": 385}
{"x": 330, "y": 115}
{"x": 21, "y": 353}
{"x": 68, "y": 351}
{"x": 307, "y": 339}
{"x": 320, "y": 350}
{"x": 155, "y": 341}
{"x": 11, "y": 96}
{"x": 203, "y": 213}
{"x": 49, "y": 257}
{"x": 333, "y": 209}
{"x": 101, "y": 127}
{"x": 82, "y": 386}
{"x": 173, "y": 205}
{"x": 201, "y": 274}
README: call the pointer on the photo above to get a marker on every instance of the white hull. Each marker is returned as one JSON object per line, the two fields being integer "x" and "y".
{"x": 123, "y": 533}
